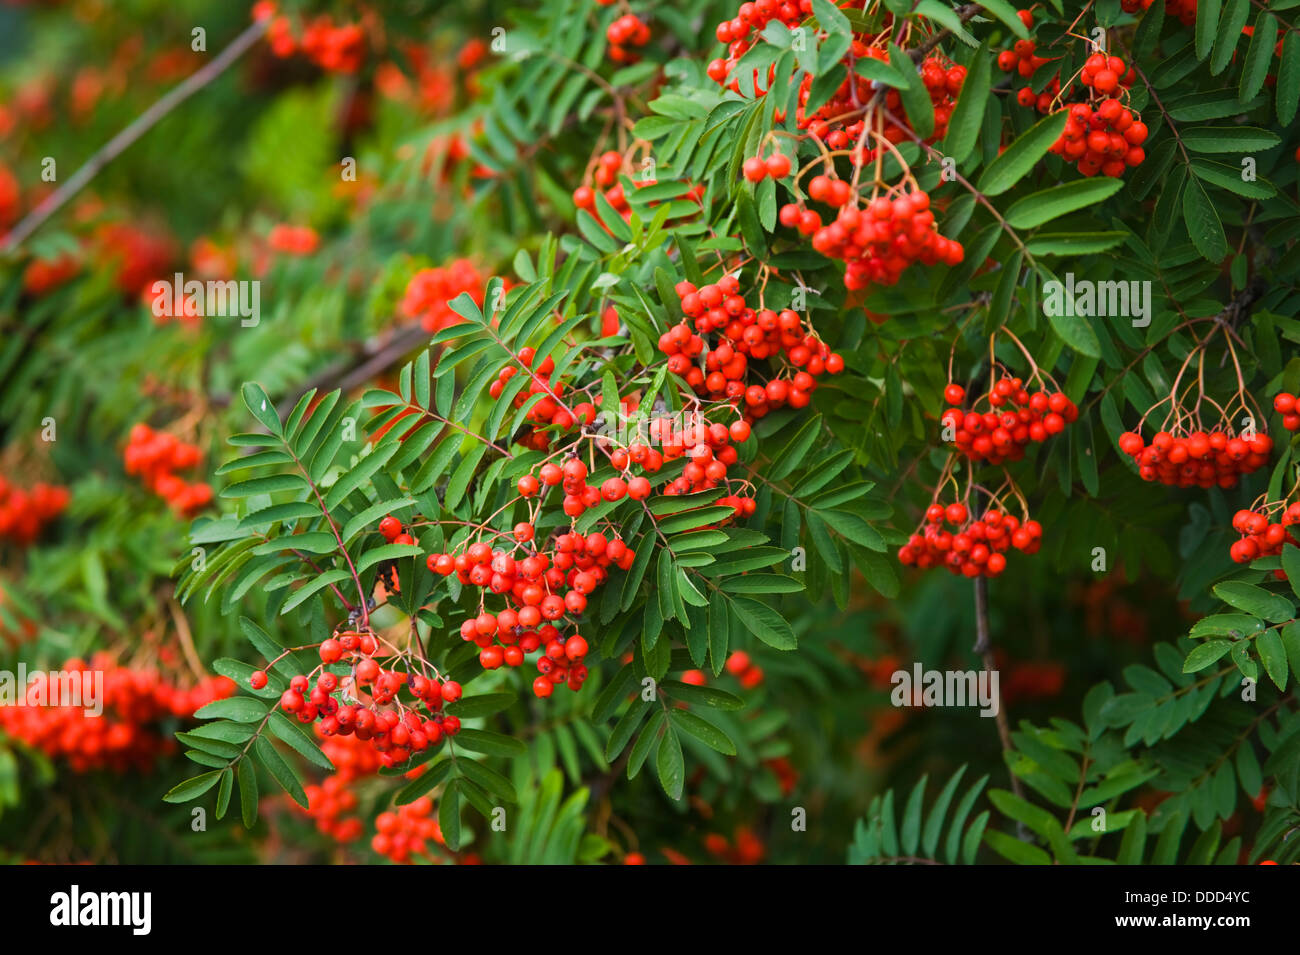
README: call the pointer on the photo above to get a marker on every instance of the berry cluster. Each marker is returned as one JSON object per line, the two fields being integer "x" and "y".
{"x": 1288, "y": 406}
{"x": 747, "y": 848}
{"x": 155, "y": 456}
{"x": 1198, "y": 459}
{"x": 629, "y": 30}
{"x": 1105, "y": 138}
{"x": 1260, "y": 536}
{"x": 742, "y": 31}
{"x": 331, "y": 804}
{"x": 756, "y": 168}
{"x": 1022, "y": 58}
{"x": 293, "y": 239}
{"x": 749, "y": 673}
{"x": 137, "y": 255}
{"x": 976, "y": 547}
{"x": 1018, "y": 417}
{"x": 943, "y": 82}
{"x": 541, "y": 586}
{"x": 604, "y": 176}
{"x": 43, "y": 275}
{"x": 405, "y": 832}
{"x": 337, "y": 49}
{"x": 24, "y": 513}
{"x": 547, "y": 411}
{"x": 745, "y": 335}
{"x": 429, "y": 291}
{"x": 383, "y": 717}
{"x": 877, "y": 241}
{"x": 127, "y": 736}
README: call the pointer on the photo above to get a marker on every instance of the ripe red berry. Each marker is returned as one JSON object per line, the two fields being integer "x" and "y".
{"x": 258, "y": 680}
{"x": 390, "y": 527}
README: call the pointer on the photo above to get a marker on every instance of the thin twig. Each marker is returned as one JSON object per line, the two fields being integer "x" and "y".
{"x": 119, "y": 143}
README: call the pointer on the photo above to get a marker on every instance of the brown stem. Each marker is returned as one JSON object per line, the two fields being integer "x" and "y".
{"x": 119, "y": 143}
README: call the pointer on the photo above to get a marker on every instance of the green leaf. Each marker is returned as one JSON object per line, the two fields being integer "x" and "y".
{"x": 916, "y": 98}
{"x": 1259, "y": 57}
{"x": 241, "y": 709}
{"x": 489, "y": 743}
{"x": 1255, "y": 600}
{"x": 261, "y": 406}
{"x": 449, "y": 815}
{"x": 1203, "y": 225}
{"x": 193, "y": 788}
{"x": 1047, "y": 204}
{"x": 224, "y": 793}
{"x": 1228, "y": 34}
{"x": 1207, "y": 23}
{"x": 426, "y": 782}
{"x": 281, "y": 771}
{"x": 265, "y": 485}
{"x": 1273, "y": 654}
{"x": 670, "y": 765}
{"x": 968, "y": 114}
{"x": 1205, "y": 654}
{"x": 313, "y": 587}
{"x": 764, "y": 622}
{"x": 704, "y": 731}
{"x": 290, "y": 733}
{"x": 1288, "y": 79}
{"x": 1013, "y": 850}
{"x": 703, "y": 695}
{"x": 1291, "y": 566}
{"x": 1007, "y": 14}
{"x": 644, "y": 743}
{"x": 247, "y": 793}
{"x": 1228, "y": 139}
{"x": 489, "y": 779}
{"x": 1022, "y": 155}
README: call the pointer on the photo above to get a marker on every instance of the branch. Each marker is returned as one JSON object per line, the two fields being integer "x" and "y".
{"x": 377, "y": 355}
{"x": 119, "y": 143}
{"x": 964, "y": 14}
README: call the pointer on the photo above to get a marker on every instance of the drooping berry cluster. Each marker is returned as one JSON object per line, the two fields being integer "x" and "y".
{"x": 429, "y": 291}
{"x": 627, "y": 31}
{"x": 746, "y": 335}
{"x": 127, "y": 735}
{"x": 398, "y": 713}
{"x": 877, "y": 241}
{"x": 297, "y": 240}
{"x": 1017, "y": 417}
{"x": 1198, "y": 459}
{"x": 976, "y": 547}
{"x": 1106, "y": 137}
{"x": 541, "y": 589}
{"x": 337, "y": 49}
{"x": 24, "y": 513}
{"x": 155, "y": 456}
{"x": 1263, "y": 537}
